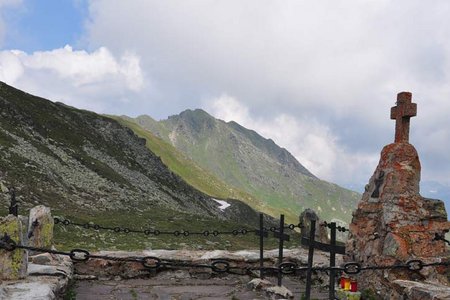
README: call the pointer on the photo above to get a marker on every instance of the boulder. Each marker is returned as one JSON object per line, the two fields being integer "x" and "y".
{"x": 13, "y": 264}
{"x": 321, "y": 234}
{"x": 412, "y": 290}
{"x": 40, "y": 227}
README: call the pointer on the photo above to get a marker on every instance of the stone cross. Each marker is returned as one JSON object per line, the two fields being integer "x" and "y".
{"x": 401, "y": 114}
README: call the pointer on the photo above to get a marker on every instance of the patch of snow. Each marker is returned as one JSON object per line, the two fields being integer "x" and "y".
{"x": 223, "y": 204}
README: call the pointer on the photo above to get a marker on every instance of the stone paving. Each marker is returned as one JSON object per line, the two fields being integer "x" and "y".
{"x": 228, "y": 287}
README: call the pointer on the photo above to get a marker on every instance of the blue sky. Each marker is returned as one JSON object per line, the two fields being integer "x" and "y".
{"x": 44, "y": 24}
{"x": 318, "y": 78}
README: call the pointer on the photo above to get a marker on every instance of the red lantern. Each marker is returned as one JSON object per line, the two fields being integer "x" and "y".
{"x": 353, "y": 286}
{"x": 342, "y": 282}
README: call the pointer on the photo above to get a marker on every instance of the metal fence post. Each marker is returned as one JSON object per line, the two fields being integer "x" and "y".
{"x": 280, "y": 250}
{"x": 312, "y": 234}
{"x": 261, "y": 246}
{"x": 332, "y": 260}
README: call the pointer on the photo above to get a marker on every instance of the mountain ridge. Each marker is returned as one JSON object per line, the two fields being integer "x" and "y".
{"x": 247, "y": 161}
{"x": 90, "y": 167}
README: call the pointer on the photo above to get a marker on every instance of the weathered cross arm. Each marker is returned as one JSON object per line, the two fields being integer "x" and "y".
{"x": 324, "y": 247}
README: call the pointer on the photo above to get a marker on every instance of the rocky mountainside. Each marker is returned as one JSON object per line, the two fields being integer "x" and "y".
{"x": 80, "y": 163}
{"x": 249, "y": 162}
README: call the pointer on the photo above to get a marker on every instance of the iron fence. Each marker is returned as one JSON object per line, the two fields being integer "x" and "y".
{"x": 224, "y": 266}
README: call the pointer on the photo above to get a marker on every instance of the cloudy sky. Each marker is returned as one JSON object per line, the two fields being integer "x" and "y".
{"x": 318, "y": 77}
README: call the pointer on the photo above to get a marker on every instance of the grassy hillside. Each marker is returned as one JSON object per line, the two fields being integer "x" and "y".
{"x": 248, "y": 162}
{"x": 191, "y": 172}
{"x": 90, "y": 168}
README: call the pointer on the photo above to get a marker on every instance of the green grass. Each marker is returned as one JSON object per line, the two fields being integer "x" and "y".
{"x": 261, "y": 198}
{"x": 217, "y": 150}
{"x": 134, "y": 294}
{"x": 192, "y": 173}
{"x": 68, "y": 237}
{"x": 70, "y": 293}
{"x": 204, "y": 180}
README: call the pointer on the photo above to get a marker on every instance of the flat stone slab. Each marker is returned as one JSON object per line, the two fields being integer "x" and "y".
{"x": 42, "y": 288}
{"x": 43, "y": 270}
{"x": 413, "y": 290}
{"x": 299, "y": 254}
{"x": 43, "y": 282}
{"x": 108, "y": 269}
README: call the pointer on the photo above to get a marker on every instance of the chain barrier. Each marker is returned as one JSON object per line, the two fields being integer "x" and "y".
{"x": 219, "y": 265}
{"x": 177, "y": 233}
{"x": 338, "y": 228}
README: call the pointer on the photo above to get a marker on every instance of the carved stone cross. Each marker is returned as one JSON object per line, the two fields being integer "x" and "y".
{"x": 401, "y": 114}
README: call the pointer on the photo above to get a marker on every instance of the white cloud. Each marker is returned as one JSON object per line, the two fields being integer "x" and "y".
{"x": 319, "y": 77}
{"x": 334, "y": 68}
{"x": 92, "y": 80}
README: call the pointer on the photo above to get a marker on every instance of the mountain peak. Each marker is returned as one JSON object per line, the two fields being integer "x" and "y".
{"x": 197, "y": 115}
{"x": 196, "y": 120}
{"x": 247, "y": 161}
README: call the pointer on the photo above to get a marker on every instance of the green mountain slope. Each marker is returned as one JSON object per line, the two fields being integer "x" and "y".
{"x": 187, "y": 169}
{"x": 88, "y": 167}
{"x": 246, "y": 161}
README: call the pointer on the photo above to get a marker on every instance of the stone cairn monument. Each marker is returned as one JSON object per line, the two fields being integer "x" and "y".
{"x": 393, "y": 222}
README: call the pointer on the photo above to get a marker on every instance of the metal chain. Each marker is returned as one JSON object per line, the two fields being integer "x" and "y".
{"x": 220, "y": 265}
{"x": 177, "y": 233}
{"x": 338, "y": 228}
{"x": 148, "y": 262}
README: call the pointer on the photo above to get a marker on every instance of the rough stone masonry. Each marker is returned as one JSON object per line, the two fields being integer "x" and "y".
{"x": 393, "y": 222}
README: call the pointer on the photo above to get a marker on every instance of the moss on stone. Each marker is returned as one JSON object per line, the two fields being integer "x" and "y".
{"x": 47, "y": 234}
{"x": 12, "y": 264}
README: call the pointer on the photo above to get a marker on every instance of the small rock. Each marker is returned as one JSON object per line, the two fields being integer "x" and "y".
{"x": 270, "y": 288}
{"x": 280, "y": 291}
{"x": 3, "y": 187}
{"x": 259, "y": 284}
{"x": 42, "y": 259}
